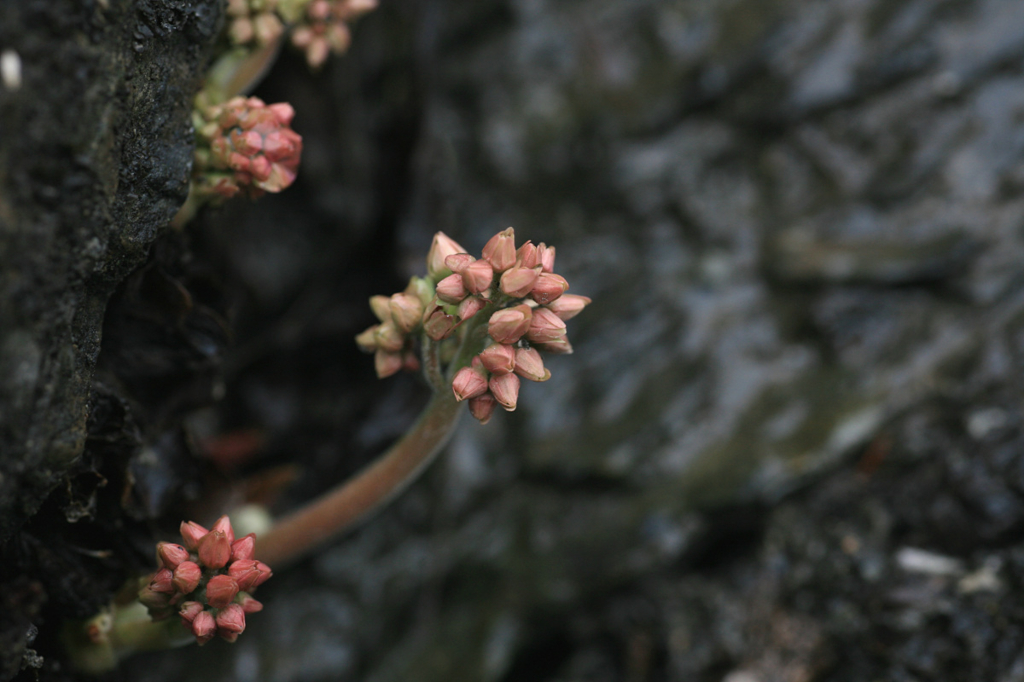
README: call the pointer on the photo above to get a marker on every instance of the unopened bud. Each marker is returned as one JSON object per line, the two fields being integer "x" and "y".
{"x": 192, "y": 533}
{"x": 386, "y": 363}
{"x": 568, "y": 306}
{"x": 477, "y": 276}
{"x": 505, "y": 389}
{"x": 547, "y": 257}
{"x": 509, "y": 325}
{"x": 153, "y": 600}
{"x": 381, "y": 307}
{"x": 482, "y": 407}
{"x": 468, "y": 383}
{"x": 518, "y": 282}
{"x": 186, "y": 577}
{"x": 248, "y": 604}
{"x": 500, "y": 250}
{"x": 188, "y": 612}
{"x": 162, "y": 581}
{"x": 367, "y": 340}
{"x": 451, "y": 289}
{"x": 545, "y": 327}
{"x": 247, "y": 574}
{"x": 442, "y": 247}
{"x": 170, "y": 554}
{"x": 470, "y": 306}
{"x": 204, "y": 627}
{"x": 459, "y": 262}
{"x": 557, "y": 347}
{"x": 231, "y": 622}
{"x": 498, "y": 358}
{"x": 243, "y": 547}
{"x": 527, "y": 256}
{"x": 223, "y": 524}
{"x": 388, "y": 337}
{"x": 214, "y": 549}
{"x": 529, "y": 365}
{"x": 548, "y": 288}
{"x": 421, "y": 288}
{"x": 406, "y": 311}
{"x": 439, "y": 324}
{"x": 220, "y": 591}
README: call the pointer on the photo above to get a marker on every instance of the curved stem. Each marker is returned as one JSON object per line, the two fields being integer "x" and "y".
{"x": 354, "y": 500}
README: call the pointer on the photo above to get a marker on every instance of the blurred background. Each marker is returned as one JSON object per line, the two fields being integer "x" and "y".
{"x": 789, "y": 444}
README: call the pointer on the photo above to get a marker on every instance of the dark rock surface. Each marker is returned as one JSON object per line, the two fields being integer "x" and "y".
{"x": 789, "y": 444}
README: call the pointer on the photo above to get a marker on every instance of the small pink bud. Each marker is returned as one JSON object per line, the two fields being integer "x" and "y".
{"x": 482, "y": 407}
{"x": 153, "y": 600}
{"x": 529, "y": 365}
{"x": 268, "y": 28}
{"x": 509, "y": 325}
{"x": 477, "y": 276}
{"x": 545, "y": 327}
{"x": 500, "y": 250}
{"x": 250, "y": 605}
{"x": 231, "y": 622}
{"x": 162, "y": 581}
{"x": 170, "y": 554}
{"x": 498, "y": 358}
{"x": 220, "y": 591}
{"x": 204, "y": 627}
{"x": 214, "y": 549}
{"x": 265, "y": 574}
{"x": 558, "y": 347}
{"x": 186, "y": 577}
{"x": 459, "y": 262}
{"x": 468, "y": 383}
{"x": 283, "y": 112}
{"x": 568, "y": 306}
{"x": 527, "y": 256}
{"x": 505, "y": 389}
{"x": 442, "y": 247}
{"x": 518, "y": 282}
{"x": 223, "y": 524}
{"x": 191, "y": 533}
{"x": 470, "y": 306}
{"x": 548, "y": 288}
{"x": 386, "y": 363}
{"x": 451, "y": 289}
{"x": 438, "y": 324}
{"x": 547, "y": 257}
{"x": 243, "y": 547}
{"x": 406, "y": 311}
{"x": 188, "y": 612}
{"x": 388, "y": 337}
{"x": 381, "y": 307}
{"x": 245, "y": 572}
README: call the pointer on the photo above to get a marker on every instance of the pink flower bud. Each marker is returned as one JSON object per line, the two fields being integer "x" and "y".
{"x": 223, "y": 524}
{"x": 459, "y": 262}
{"x": 438, "y": 324}
{"x": 170, "y": 554}
{"x": 527, "y": 256}
{"x": 220, "y": 591}
{"x": 470, "y": 306}
{"x": 283, "y": 112}
{"x": 547, "y": 257}
{"x": 548, "y": 288}
{"x": 498, "y": 358}
{"x": 186, "y": 577}
{"x": 451, "y": 289}
{"x": 250, "y": 605}
{"x": 518, "y": 282}
{"x": 477, "y": 276}
{"x": 505, "y": 389}
{"x": 545, "y": 327}
{"x": 482, "y": 407}
{"x": 529, "y": 365}
{"x": 162, "y": 581}
{"x": 387, "y": 363}
{"x": 381, "y": 307}
{"x": 246, "y": 573}
{"x": 388, "y": 337}
{"x": 500, "y": 250}
{"x": 152, "y": 600}
{"x": 188, "y": 612}
{"x": 468, "y": 383}
{"x": 214, "y": 549}
{"x": 558, "y": 347}
{"x": 231, "y": 622}
{"x": 509, "y": 325}
{"x": 367, "y": 340}
{"x": 243, "y": 547}
{"x": 192, "y": 533}
{"x": 265, "y": 574}
{"x": 442, "y": 247}
{"x": 568, "y": 306}
{"x": 406, "y": 311}
{"x": 204, "y": 627}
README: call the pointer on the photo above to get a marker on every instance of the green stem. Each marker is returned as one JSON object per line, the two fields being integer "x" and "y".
{"x": 118, "y": 633}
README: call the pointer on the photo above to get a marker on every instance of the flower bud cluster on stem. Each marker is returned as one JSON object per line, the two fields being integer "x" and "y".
{"x": 207, "y": 581}
{"x": 511, "y": 292}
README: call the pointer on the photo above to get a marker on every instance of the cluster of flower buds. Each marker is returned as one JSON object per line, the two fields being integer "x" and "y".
{"x": 245, "y": 145}
{"x": 207, "y": 580}
{"x": 526, "y": 306}
{"x": 254, "y": 22}
{"x": 324, "y": 27}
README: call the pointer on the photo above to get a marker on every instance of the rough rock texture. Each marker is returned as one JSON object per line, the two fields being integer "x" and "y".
{"x": 95, "y": 153}
{"x": 789, "y": 444}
